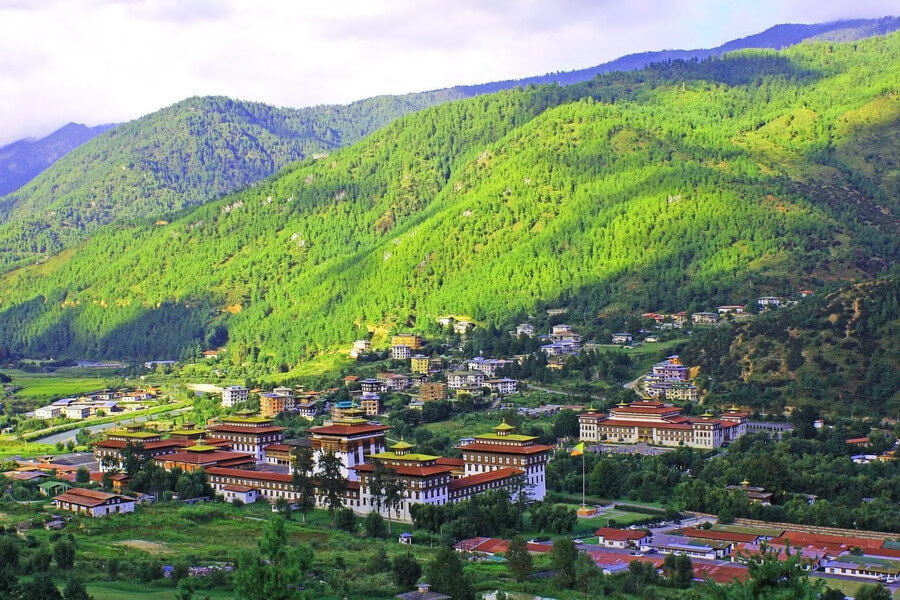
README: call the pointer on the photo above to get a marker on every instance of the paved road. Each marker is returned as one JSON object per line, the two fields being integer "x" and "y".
{"x": 65, "y": 436}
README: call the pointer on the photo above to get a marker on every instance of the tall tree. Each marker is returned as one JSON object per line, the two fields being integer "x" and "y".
{"x": 332, "y": 483}
{"x": 304, "y": 487}
{"x": 275, "y": 569}
{"x": 519, "y": 559}
{"x": 75, "y": 589}
{"x": 407, "y": 570}
{"x": 562, "y": 557}
{"x": 445, "y": 574}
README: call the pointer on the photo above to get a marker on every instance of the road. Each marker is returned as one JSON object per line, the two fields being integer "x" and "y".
{"x": 65, "y": 436}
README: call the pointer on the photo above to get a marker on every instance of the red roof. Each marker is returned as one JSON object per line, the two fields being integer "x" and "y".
{"x": 157, "y": 445}
{"x": 348, "y": 430}
{"x": 656, "y": 410}
{"x": 205, "y": 458}
{"x": 278, "y": 448}
{"x": 84, "y": 497}
{"x": 797, "y": 538}
{"x": 506, "y": 448}
{"x": 621, "y": 535}
{"x": 248, "y": 474}
{"x": 725, "y": 536}
{"x": 654, "y": 424}
{"x": 614, "y": 559}
{"x": 455, "y": 462}
{"x": 861, "y": 441}
{"x": 496, "y": 545}
{"x": 720, "y": 573}
{"x": 496, "y": 475}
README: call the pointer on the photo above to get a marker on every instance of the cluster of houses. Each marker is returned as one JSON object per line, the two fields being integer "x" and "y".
{"x": 654, "y": 422}
{"x": 102, "y": 402}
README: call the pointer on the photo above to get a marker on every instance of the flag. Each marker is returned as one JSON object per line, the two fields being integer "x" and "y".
{"x": 578, "y": 450}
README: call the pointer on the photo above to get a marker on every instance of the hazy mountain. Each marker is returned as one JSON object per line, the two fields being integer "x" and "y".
{"x": 21, "y": 161}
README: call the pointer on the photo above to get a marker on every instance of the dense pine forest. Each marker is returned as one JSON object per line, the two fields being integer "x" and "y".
{"x": 683, "y": 185}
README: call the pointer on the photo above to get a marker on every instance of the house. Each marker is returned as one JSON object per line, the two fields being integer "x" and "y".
{"x": 737, "y": 309}
{"x": 488, "y": 366}
{"x": 393, "y": 382}
{"x": 463, "y": 327}
{"x": 769, "y": 302}
{"x": 622, "y": 338}
{"x": 756, "y": 495}
{"x": 806, "y": 293}
{"x": 704, "y": 318}
{"x": 419, "y": 363}
{"x": 375, "y": 386}
{"x": 407, "y": 339}
{"x": 405, "y": 538}
{"x": 617, "y": 562}
{"x": 93, "y": 503}
{"x": 525, "y": 329}
{"x": 53, "y": 488}
{"x": 423, "y": 592}
{"x": 234, "y": 394}
{"x": 622, "y": 538}
{"x": 864, "y": 567}
{"x": 651, "y": 339}
{"x": 705, "y": 549}
{"x": 308, "y": 409}
{"x": 860, "y": 441}
{"x": 47, "y": 412}
{"x": 242, "y": 493}
{"x": 461, "y": 379}
{"x": 445, "y": 321}
{"x": 77, "y": 411}
{"x": 485, "y": 546}
{"x": 401, "y": 352}
{"x": 560, "y": 348}
{"x": 360, "y": 347}
{"x": 430, "y": 391}
{"x": 501, "y": 387}
{"x": 370, "y": 403}
{"x": 210, "y": 354}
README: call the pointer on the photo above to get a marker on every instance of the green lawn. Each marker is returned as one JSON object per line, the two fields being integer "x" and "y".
{"x": 47, "y": 386}
{"x": 849, "y": 588}
{"x": 118, "y": 590}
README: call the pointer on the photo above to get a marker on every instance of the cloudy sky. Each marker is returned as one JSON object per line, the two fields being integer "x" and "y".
{"x": 97, "y": 61}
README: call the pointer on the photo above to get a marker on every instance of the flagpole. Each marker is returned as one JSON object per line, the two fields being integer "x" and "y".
{"x": 582, "y": 479}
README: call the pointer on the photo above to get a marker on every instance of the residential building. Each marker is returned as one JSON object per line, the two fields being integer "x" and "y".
{"x": 485, "y": 546}
{"x": 401, "y": 352}
{"x": 488, "y": 366}
{"x": 445, "y": 321}
{"x": 393, "y": 382}
{"x": 502, "y": 387}
{"x": 243, "y": 493}
{"x": 622, "y": 538}
{"x": 704, "y": 549}
{"x": 770, "y": 302}
{"x": 234, "y": 394}
{"x": 93, "y": 503}
{"x": 431, "y": 391}
{"x": 370, "y": 403}
{"x": 705, "y": 318}
{"x": 672, "y": 390}
{"x": 461, "y": 379}
{"x": 622, "y": 338}
{"x": 560, "y": 348}
{"x": 272, "y": 404}
{"x": 526, "y": 329}
{"x": 864, "y": 567}
{"x": 47, "y": 412}
{"x": 359, "y": 348}
{"x": 247, "y": 434}
{"x": 422, "y": 592}
{"x": 670, "y": 369}
{"x": 375, "y": 386}
{"x": 736, "y": 309}
{"x": 407, "y": 339}
{"x": 77, "y": 411}
{"x": 419, "y": 363}
{"x": 463, "y": 327}
{"x": 307, "y": 408}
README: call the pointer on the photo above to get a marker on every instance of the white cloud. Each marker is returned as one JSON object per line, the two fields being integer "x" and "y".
{"x": 98, "y": 61}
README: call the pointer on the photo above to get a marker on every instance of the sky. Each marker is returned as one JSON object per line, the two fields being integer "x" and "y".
{"x": 102, "y": 61}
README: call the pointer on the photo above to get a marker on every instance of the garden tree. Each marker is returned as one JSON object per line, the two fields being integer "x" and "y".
{"x": 9, "y": 551}
{"x": 555, "y": 518}
{"x": 184, "y": 590}
{"x": 562, "y": 557}
{"x": 82, "y": 476}
{"x": 40, "y": 559}
{"x": 445, "y": 574}
{"x": 150, "y": 570}
{"x": 374, "y": 525}
{"x": 640, "y": 576}
{"x": 112, "y": 569}
{"x": 774, "y": 579}
{"x": 346, "y": 519}
{"x": 275, "y": 569}
{"x": 588, "y": 575}
{"x": 380, "y": 562}
{"x": 134, "y": 458}
{"x": 488, "y": 514}
{"x": 872, "y": 592}
{"x": 106, "y": 481}
{"x": 64, "y": 554}
{"x": 75, "y": 589}
{"x": 679, "y": 570}
{"x": 40, "y": 588}
{"x": 180, "y": 570}
{"x": 833, "y": 594}
{"x": 565, "y": 424}
{"x": 407, "y": 570}
{"x": 518, "y": 559}
{"x": 394, "y": 492}
{"x": 283, "y": 506}
{"x": 9, "y": 581}
{"x": 332, "y": 483}
{"x": 302, "y": 480}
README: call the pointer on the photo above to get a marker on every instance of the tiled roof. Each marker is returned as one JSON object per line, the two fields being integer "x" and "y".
{"x": 244, "y": 429}
{"x": 409, "y": 471}
{"x": 243, "y": 489}
{"x": 710, "y": 534}
{"x": 720, "y": 573}
{"x": 506, "y": 448}
{"x": 621, "y": 535}
{"x": 496, "y": 475}
{"x": 347, "y": 430}
{"x": 84, "y": 497}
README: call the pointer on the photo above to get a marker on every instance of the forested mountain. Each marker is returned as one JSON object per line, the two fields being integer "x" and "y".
{"x": 202, "y": 148}
{"x": 687, "y": 182}
{"x": 837, "y": 351}
{"x": 177, "y": 157}
{"x": 21, "y": 161}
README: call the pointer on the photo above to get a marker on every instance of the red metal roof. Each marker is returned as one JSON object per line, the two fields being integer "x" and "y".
{"x": 720, "y": 573}
{"x": 205, "y": 458}
{"x": 248, "y": 474}
{"x": 409, "y": 471}
{"x": 797, "y": 538}
{"x": 711, "y": 534}
{"x": 84, "y": 497}
{"x": 498, "y": 474}
{"x": 613, "y": 559}
{"x": 238, "y": 488}
{"x": 621, "y": 535}
{"x": 247, "y": 430}
{"x": 455, "y": 462}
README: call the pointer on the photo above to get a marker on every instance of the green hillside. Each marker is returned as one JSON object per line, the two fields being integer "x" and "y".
{"x": 686, "y": 183}
{"x": 837, "y": 350}
{"x": 180, "y": 156}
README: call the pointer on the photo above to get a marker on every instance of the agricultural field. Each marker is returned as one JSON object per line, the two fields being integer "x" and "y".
{"x": 40, "y": 387}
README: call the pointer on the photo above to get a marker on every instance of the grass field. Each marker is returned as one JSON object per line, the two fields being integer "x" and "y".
{"x": 118, "y": 590}
{"x": 46, "y": 386}
{"x": 849, "y": 588}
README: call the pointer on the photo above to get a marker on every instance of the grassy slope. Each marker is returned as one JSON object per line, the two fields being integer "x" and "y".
{"x": 480, "y": 207}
